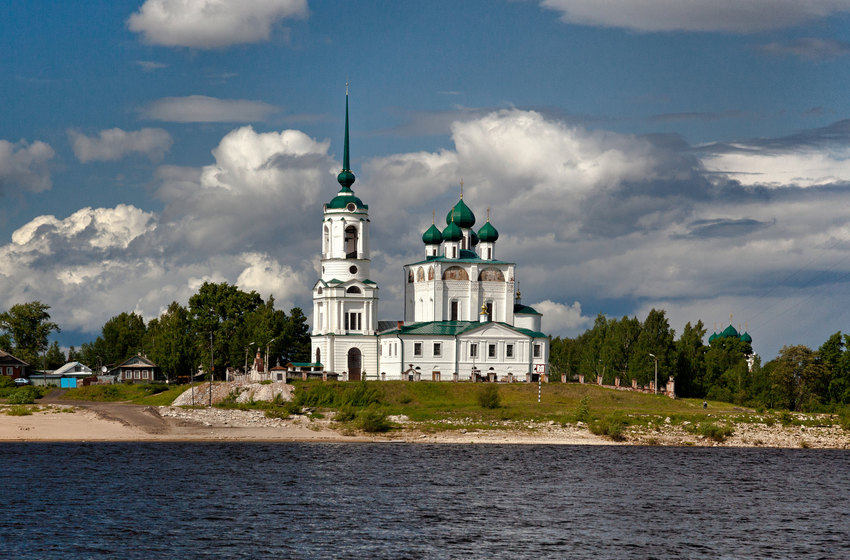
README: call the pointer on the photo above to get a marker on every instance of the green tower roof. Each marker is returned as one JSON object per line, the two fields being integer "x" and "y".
{"x": 346, "y": 177}
{"x": 461, "y": 215}
{"x": 452, "y": 232}
{"x": 488, "y": 233}
{"x": 432, "y": 236}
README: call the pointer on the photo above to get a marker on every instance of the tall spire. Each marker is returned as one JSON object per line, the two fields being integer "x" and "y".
{"x": 346, "y": 177}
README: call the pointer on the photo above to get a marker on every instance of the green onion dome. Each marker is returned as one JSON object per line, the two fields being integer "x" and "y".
{"x": 712, "y": 338}
{"x": 346, "y": 179}
{"x": 342, "y": 200}
{"x": 461, "y": 215}
{"x": 452, "y": 232}
{"x": 746, "y": 338}
{"x": 432, "y": 236}
{"x": 488, "y": 233}
{"x": 729, "y": 332}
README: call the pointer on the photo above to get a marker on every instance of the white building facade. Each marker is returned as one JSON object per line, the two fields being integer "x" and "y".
{"x": 463, "y": 319}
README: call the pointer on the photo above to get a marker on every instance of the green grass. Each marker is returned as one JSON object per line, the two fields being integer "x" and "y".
{"x": 151, "y": 394}
{"x": 711, "y": 430}
{"x": 18, "y": 410}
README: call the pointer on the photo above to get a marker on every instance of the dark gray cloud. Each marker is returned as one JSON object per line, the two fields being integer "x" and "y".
{"x": 725, "y": 227}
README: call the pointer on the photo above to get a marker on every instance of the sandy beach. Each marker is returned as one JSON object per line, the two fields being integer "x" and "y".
{"x": 88, "y": 421}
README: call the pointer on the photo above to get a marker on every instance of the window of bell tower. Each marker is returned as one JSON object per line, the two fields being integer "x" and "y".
{"x": 351, "y": 242}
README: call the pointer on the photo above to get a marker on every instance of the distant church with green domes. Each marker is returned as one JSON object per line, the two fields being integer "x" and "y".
{"x": 463, "y": 318}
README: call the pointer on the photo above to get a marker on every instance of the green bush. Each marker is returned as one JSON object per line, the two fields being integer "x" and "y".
{"x": 345, "y": 414}
{"x": 6, "y": 381}
{"x": 716, "y": 432}
{"x": 373, "y": 420}
{"x": 19, "y": 410}
{"x": 24, "y": 395}
{"x": 609, "y": 426}
{"x": 786, "y": 418}
{"x": 583, "y": 409}
{"x": 489, "y": 397}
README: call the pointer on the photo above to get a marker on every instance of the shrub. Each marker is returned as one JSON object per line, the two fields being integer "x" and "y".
{"x": 6, "y": 381}
{"x": 609, "y": 426}
{"x": 24, "y": 395}
{"x": 716, "y": 432}
{"x": 489, "y": 397}
{"x": 583, "y": 409}
{"x": 373, "y": 420}
{"x": 345, "y": 414}
{"x": 786, "y": 418}
{"x": 19, "y": 410}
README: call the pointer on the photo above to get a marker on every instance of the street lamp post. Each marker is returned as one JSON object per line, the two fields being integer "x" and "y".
{"x": 656, "y": 371}
{"x": 245, "y": 371}
{"x": 267, "y": 357}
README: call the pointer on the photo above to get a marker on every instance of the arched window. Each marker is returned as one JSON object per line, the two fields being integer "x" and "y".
{"x": 319, "y": 291}
{"x": 326, "y": 240}
{"x": 430, "y": 273}
{"x": 351, "y": 242}
{"x": 318, "y": 355}
{"x": 353, "y": 290}
{"x": 409, "y": 276}
{"x": 420, "y": 274}
{"x": 455, "y": 273}
{"x": 491, "y": 275}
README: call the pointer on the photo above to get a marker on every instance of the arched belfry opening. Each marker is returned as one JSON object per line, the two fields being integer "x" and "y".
{"x": 350, "y": 242}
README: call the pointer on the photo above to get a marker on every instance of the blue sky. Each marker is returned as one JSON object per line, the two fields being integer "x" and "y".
{"x": 692, "y": 156}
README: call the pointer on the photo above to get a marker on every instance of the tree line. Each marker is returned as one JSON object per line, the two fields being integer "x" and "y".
{"x": 723, "y": 369}
{"x": 221, "y": 327}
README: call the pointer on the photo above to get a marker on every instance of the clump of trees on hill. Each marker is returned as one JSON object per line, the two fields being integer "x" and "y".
{"x": 220, "y": 318}
{"x": 799, "y": 378}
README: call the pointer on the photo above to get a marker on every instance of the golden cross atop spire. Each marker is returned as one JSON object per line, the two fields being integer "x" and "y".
{"x": 433, "y": 217}
{"x": 488, "y": 213}
{"x": 730, "y": 318}
{"x": 461, "y": 187}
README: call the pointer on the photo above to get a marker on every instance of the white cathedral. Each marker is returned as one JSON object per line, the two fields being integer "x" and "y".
{"x": 463, "y": 319}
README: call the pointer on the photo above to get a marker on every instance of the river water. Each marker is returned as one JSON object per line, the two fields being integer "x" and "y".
{"x": 292, "y": 500}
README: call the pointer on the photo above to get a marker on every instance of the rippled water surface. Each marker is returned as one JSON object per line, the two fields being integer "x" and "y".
{"x": 286, "y": 500}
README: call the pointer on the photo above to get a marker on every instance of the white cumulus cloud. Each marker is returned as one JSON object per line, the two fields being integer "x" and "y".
{"x": 200, "y": 108}
{"x": 115, "y": 143}
{"x": 733, "y": 16}
{"x": 25, "y": 166}
{"x": 206, "y": 24}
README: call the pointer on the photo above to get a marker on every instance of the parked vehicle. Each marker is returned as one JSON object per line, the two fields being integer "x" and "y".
{"x": 22, "y": 381}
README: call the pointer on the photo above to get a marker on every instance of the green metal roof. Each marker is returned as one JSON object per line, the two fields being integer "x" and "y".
{"x": 525, "y": 310}
{"x": 471, "y": 257}
{"x": 454, "y": 328}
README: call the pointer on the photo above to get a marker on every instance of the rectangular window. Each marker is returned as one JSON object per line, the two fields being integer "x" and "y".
{"x": 454, "y": 314}
{"x": 438, "y": 349}
{"x": 136, "y": 373}
{"x": 489, "y": 310}
{"x": 489, "y": 253}
{"x": 509, "y": 351}
{"x": 473, "y": 350}
{"x": 417, "y": 349}
{"x": 491, "y": 351}
{"x": 352, "y": 321}
{"x": 536, "y": 350}
{"x": 9, "y": 371}
{"x": 144, "y": 374}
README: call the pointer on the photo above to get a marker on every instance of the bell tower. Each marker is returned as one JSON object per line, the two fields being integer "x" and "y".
{"x": 345, "y": 300}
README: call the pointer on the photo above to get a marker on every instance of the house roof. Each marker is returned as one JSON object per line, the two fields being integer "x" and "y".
{"x": 7, "y": 358}
{"x": 136, "y": 361}
{"x": 74, "y": 367}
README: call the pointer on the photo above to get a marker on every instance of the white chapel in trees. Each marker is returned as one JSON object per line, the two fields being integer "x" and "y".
{"x": 462, "y": 313}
